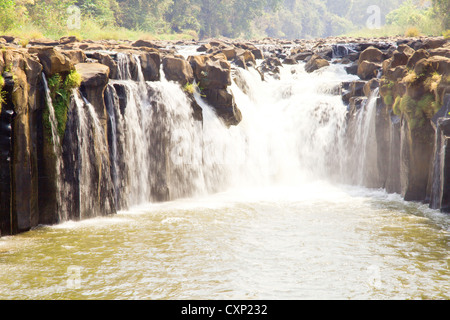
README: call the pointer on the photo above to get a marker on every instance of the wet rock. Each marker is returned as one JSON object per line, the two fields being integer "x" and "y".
{"x": 316, "y": 62}
{"x": 150, "y": 64}
{"x": 224, "y": 105}
{"x": 178, "y": 70}
{"x": 95, "y": 77}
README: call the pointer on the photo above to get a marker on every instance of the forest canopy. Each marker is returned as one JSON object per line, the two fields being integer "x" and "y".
{"x": 228, "y": 18}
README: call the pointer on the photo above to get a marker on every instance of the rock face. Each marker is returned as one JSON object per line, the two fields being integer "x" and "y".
{"x": 411, "y": 124}
{"x": 213, "y": 76}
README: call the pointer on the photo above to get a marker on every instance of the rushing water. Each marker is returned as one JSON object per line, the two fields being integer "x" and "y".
{"x": 261, "y": 211}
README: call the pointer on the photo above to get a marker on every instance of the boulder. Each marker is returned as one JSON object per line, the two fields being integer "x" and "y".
{"x": 316, "y": 62}
{"x": 75, "y": 56}
{"x": 145, "y": 43}
{"x": 150, "y": 64}
{"x": 52, "y": 60}
{"x": 107, "y": 60}
{"x": 178, "y": 70}
{"x": 224, "y": 105}
{"x": 371, "y": 54}
{"x": 215, "y": 75}
{"x": 399, "y": 59}
{"x": 368, "y": 70}
{"x": 95, "y": 77}
{"x": 416, "y": 56}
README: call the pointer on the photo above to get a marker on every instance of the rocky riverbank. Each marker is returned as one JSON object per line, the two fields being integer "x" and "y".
{"x": 411, "y": 76}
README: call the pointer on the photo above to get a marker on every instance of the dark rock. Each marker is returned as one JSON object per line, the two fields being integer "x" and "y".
{"x": 371, "y": 54}
{"x": 150, "y": 64}
{"x": 368, "y": 70}
{"x": 315, "y": 63}
{"x": 416, "y": 56}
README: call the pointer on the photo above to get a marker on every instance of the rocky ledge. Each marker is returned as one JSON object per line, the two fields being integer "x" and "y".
{"x": 411, "y": 75}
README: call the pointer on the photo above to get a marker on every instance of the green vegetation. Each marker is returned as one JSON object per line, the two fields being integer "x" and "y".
{"x": 187, "y": 19}
{"x": 60, "y": 92}
{"x": 388, "y": 99}
{"x": 189, "y": 88}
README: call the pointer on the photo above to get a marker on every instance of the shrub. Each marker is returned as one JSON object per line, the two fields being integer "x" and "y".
{"x": 446, "y": 34}
{"x": 60, "y": 92}
{"x": 396, "y": 106}
{"x": 388, "y": 99}
{"x": 412, "y": 32}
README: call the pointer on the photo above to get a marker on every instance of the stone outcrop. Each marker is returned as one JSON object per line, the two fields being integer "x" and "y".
{"x": 411, "y": 126}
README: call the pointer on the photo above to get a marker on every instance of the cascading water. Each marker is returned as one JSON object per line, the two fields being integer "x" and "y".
{"x": 361, "y": 152}
{"x": 56, "y": 143}
{"x": 293, "y": 129}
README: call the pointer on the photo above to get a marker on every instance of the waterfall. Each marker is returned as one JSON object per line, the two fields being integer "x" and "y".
{"x": 362, "y": 151}
{"x": 293, "y": 129}
{"x": 56, "y": 145}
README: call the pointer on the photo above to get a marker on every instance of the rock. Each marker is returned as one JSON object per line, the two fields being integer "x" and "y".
{"x": 300, "y": 56}
{"x": 107, "y": 60}
{"x": 416, "y": 56}
{"x": 215, "y": 75}
{"x": 224, "y": 105}
{"x": 69, "y": 39}
{"x": 445, "y": 52}
{"x": 93, "y": 74}
{"x": 290, "y": 61}
{"x": 8, "y": 39}
{"x": 440, "y": 189}
{"x": 204, "y": 47}
{"x": 52, "y": 60}
{"x": 371, "y": 54}
{"x": 416, "y": 154}
{"x": 22, "y": 87}
{"x": 150, "y": 64}
{"x": 368, "y": 70}
{"x": 75, "y": 56}
{"x": 178, "y": 70}
{"x": 398, "y": 59}
{"x": 433, "y": 43}
{"x": 438, "y": 64}
{"x": 315, "y": 63}
{"x": 352, "y": 69}
{"x": 95, "y": 77}
{"x": 370, "y": 86}
{"x": 406, "y": 49}
{"x": 43, "y": 42}
{"x": 145, "y": 43}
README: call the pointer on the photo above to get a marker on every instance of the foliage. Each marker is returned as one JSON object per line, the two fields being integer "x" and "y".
{"x": 388, "y": 99}
{"x": 132, "y": 19}
{"x": 60, "y": 92}
{"x": 446, "y": 34}
{"x": 412, "y": 32}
